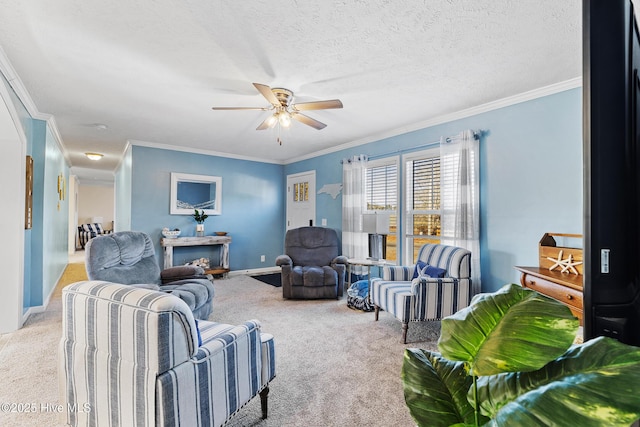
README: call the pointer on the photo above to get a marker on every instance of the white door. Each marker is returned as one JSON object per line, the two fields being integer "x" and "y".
{"x": 301, "y": 199}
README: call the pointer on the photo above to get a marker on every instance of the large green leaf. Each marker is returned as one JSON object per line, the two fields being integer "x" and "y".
{"x": 435, "y": 389}
{"x": 593, "y": 384}
{"x": 513, "y": 329}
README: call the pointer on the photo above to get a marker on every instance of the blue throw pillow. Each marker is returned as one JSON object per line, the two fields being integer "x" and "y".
{"x": 424, "y": 269}
{"x": 420, "y": 265}
{"x": 435, "y": 272}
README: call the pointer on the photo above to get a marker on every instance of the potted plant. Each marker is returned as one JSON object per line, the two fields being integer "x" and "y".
{"x": 509, "y": 360}
{"x": 200, "y": 217}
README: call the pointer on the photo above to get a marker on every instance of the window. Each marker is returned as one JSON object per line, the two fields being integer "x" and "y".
{"x": 381, "y": 194}
{"x": 423, "y": 202}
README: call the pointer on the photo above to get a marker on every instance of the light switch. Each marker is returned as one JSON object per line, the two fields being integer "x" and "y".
{"x": 604, "y": 260}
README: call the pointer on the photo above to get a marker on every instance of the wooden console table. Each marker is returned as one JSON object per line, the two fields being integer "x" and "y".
{"x": 563, "y": 287}
{"x": 223, "y": 241}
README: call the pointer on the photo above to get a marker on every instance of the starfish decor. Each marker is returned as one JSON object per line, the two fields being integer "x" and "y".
{"x": 565, "y": 265}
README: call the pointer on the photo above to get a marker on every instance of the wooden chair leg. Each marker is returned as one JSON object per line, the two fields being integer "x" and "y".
{"x": 376, "y": 312}
{"x": 263, "y": 401}
{"x": 405, "y": 328}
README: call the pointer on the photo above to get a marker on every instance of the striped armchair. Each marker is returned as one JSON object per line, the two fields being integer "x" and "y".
{"x": 132, "y": 356}
{"x": 87, "y": 232}
{"x": 413, "y": 295}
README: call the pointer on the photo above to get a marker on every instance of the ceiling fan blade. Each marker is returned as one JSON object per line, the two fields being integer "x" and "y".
{"x": 268, "y": 123}
{"x": 240, "y": 108}
{"x": 308, "y": 120}
{"x": 267, "y": 93}
{"x": 318, "y": 105}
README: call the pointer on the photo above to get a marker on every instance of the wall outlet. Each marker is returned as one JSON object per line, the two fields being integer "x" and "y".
{"x": 262, "y": 258}
{"x": 324, "y": 222}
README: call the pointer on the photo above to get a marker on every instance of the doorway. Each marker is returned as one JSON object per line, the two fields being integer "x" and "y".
{"x": 12, "y": 223}
{"x": 301, "y": 200}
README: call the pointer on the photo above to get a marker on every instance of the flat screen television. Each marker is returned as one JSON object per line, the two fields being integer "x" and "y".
{"x": 611, "y": 85}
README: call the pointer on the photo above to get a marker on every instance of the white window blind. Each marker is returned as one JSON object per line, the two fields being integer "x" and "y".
{"x": 425, "y": 184}
{"x": 382, "y": 185}
{"x": 381, "y": 194}
{"x": 423, "y": 203}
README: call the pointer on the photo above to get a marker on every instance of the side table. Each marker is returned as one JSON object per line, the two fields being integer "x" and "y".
{"x": 367, "y": 263}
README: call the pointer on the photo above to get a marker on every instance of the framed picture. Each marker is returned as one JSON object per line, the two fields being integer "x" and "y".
{"x": 28, "y": 204}
{"x": 190, "y": 192}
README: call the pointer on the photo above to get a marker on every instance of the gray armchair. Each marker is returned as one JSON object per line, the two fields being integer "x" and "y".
{"x": 311, "y": 267}
{"x": 128, "y": 258}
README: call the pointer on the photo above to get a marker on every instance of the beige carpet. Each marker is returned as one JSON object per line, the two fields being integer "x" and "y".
{"x": 335, "y": 366}
{"x": 28, "y": 365}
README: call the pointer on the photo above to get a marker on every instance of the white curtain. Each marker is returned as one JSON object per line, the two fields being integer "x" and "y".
{"x": 354, "y": 241}
{"x": 459, "y": 187}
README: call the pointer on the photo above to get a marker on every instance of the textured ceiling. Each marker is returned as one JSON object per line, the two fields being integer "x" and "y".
{"x": 152, "y": 69}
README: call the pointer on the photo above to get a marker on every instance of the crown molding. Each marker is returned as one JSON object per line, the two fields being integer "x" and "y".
{"x": 53, "y": 126}
{"x": 16, "y": 84}
{"x": 23, "y": 95}
{"x": 483, "y": 108}
{"x": 127, "y": 147}
{"x": 19, "y": 88}
{"x": 200, "y": 151}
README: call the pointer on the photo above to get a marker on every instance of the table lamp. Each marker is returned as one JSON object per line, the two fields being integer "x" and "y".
{"x": 377, "y": 226}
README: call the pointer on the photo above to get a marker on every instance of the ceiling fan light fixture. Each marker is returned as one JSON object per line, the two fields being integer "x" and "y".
{"x": 284, "y": 111}
{"x": 284, "y": 118}
{"x": 271, "y": 121}
{"x": 94, "y": 156}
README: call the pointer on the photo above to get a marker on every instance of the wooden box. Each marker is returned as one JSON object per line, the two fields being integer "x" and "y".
{"x": 567, "y": 258}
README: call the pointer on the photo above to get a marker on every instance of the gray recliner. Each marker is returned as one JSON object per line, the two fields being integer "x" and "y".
{"x": 311, "y": 266}
{"x": 128, "y": 258}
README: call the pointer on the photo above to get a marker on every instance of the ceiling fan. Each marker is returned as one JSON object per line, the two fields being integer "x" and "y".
{"x": 284, "y": 110}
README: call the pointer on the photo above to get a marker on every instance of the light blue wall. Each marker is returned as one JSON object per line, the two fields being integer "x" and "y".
{"x": 56, "y": 215}
{"x": 122, "y": 187}
{"x": 48, "y": 253}
{"x": 34, "y": 288}
{"x": 530, "y": 183}
{"x": 26, "y": 123}
{"x": 252, "y": 204}
{"x": 530, "y": 179}
{"x": 328, "y": 171}
{"x": 45, "y": 244}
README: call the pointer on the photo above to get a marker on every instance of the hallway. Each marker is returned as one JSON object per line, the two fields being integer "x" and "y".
{"x": 77, "y": 257}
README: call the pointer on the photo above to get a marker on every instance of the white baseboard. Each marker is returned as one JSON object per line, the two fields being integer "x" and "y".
{"x": 41, "y": 308}
{"x": 32, "y": 310}
{"x": 255, "y": 271}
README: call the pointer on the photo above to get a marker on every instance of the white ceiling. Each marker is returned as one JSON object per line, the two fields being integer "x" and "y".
{"x": 151, "y": 70}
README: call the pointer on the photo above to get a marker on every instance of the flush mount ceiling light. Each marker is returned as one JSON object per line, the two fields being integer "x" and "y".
{"x": 94, "y": 156}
